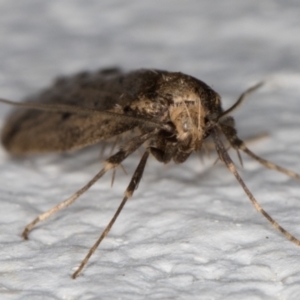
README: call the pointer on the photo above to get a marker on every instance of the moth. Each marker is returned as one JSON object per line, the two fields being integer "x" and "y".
{"x": 171, "y": 114}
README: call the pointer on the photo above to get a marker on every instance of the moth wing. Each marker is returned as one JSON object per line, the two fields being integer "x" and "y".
{"x": 30, "y": 131}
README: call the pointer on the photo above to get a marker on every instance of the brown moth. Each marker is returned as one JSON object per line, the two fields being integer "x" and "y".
{"x": 172, "y": 114}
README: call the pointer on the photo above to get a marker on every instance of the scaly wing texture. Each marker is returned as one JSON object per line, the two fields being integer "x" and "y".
{"x": 33, "y": 131}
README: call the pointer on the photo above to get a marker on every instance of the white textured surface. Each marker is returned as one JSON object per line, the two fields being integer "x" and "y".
{"x": 189, "y": 232}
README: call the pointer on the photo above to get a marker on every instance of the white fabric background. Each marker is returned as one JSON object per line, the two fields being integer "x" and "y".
{"x": 189, "y": 232}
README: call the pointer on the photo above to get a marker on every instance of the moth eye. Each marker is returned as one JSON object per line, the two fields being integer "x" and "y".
{"x": 185, "y": 126}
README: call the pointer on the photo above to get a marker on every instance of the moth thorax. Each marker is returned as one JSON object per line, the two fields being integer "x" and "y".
{"x": 188, "y": 119}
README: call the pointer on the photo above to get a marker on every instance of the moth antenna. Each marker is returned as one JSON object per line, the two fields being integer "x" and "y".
{"x": 111, "y": 163}
{"x": 63, "y": 108}
{"x": 128, "y": 194}
{"x": 230, "y": 165}
{"x": 240, "y": 100}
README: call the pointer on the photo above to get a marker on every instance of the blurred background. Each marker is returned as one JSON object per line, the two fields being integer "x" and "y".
{"x": 226, "y": 43}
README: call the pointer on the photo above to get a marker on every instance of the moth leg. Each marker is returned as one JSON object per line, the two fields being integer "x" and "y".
{"x": 269, "y": 164}
{"x": 113, "y": 177}
{"x": 256, "y": 138}
{"x": 128, "y": 194}
{"x": 239, "y": 157}
{"x": 111, "y": 163}
{"x": 238, "y": 144}
{"x": 160, "y": 155}
{"x": 209, "y": 146}
{"x": 229, "y": 164}
{"x": 63, "y": 204}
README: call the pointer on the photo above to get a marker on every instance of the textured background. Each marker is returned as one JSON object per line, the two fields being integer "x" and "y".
{"x": 189, "y": 232}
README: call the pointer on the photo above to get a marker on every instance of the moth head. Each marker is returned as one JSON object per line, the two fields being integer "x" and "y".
{"x": 191, "y": 102}
{"x": 188, "y": 119}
